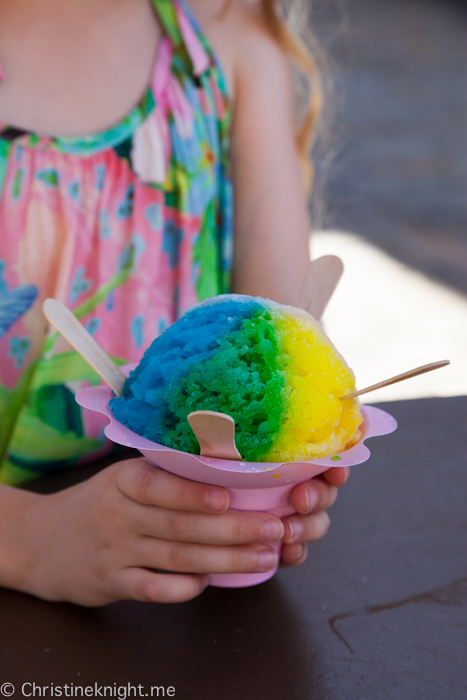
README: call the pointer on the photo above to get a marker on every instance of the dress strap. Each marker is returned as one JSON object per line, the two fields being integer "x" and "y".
{"x": 185, "y": 34}
{"x": 168, "y": 18}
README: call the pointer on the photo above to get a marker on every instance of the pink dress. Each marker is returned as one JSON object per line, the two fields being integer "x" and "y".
{"x": 127, "y": 227}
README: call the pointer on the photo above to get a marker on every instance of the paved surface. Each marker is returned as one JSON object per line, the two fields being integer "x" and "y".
{"x": 397, "y": 192}
{"x": 379, "y": 610}
{"x": 400, "y": 177}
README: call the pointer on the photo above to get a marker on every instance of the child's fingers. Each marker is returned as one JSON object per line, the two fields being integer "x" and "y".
{"x": 151, "y": 587}
{"x": 199, "y": 558}
{"x": 233, "y": 527}
{"x": 313, "y": 496}
{"x": 149, "y": 485}
{"x": 306, "y": 528}
{"x": 293, "y": 554}
{"x": 337, "y": 476}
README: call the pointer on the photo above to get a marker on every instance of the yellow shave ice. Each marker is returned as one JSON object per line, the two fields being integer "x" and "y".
{"x": 271, "y": 367}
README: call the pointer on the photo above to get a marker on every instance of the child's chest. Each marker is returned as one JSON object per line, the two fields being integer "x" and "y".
{"x": 76, "y": 67}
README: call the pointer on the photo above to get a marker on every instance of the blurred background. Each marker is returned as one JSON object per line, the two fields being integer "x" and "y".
{"x": 394, "y": 203}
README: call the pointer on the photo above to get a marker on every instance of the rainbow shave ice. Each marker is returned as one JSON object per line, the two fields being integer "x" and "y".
{"x": 271, "y": 367}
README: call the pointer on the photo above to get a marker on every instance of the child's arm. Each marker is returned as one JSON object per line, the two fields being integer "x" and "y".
{"x": 272, "y": 225}
{"x": 103, "y": 540}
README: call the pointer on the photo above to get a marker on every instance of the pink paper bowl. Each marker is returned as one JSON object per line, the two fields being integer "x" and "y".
{"x": 260, "y": 486}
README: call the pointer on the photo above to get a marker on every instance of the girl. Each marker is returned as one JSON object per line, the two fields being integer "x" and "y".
{"x": 130, "y": 225}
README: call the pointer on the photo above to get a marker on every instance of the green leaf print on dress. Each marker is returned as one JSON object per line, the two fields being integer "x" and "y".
{"x": 49, "y": 426}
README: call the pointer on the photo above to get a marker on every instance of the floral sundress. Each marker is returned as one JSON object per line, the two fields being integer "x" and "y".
{"x": 128, "y": 228}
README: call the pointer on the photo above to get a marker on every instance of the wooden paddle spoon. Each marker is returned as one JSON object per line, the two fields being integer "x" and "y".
{"x": 215, "y": 433}
{"x": 398, "y": 378}
{"x": 68, "y": 325}
{"x": 320, "y": 283}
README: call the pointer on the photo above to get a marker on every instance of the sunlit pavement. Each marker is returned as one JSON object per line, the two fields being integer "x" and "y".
{"x": 386, "y": 318}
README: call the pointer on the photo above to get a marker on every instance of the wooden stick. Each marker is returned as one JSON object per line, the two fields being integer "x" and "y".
{"x": 68, "y": 325}
{"x": 215, "y": 433}
{"x": 320, "y": 283}
{"x": 398, "y": 378}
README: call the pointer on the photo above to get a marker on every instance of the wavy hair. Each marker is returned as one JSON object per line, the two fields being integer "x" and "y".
{"x": 287, "y": 21}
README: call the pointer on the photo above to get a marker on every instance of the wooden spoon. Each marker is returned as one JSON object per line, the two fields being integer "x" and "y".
{"x": 398, "y": 378}
{"x": 215, "y": 433}
{"x": 68, "y": 325}
{"x": 320, "y": 283}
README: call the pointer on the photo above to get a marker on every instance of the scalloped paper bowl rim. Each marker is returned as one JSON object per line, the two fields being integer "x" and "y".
{"x": 376, "y": 423}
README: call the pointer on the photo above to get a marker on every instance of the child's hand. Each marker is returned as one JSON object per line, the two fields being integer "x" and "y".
{"x": 103, "y": 540}
{"x": 311, "y": 500}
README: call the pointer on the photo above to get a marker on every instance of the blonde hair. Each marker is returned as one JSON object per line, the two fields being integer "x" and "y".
{"x": 287, "y": 20}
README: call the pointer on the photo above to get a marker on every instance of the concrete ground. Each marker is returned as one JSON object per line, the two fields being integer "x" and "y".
{"x": 396, "y": 195}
